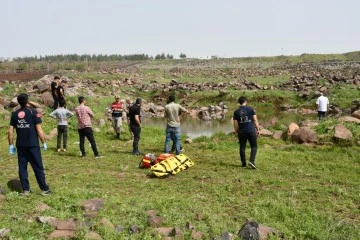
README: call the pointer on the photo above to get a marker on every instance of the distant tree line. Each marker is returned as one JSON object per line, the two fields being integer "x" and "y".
{"x": 93, "y": 57}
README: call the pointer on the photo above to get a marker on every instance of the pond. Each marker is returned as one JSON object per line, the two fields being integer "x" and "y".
{"x": 194, "y": 127}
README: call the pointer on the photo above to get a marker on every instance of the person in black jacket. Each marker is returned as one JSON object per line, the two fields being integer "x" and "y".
{"x": 54, "y": 85}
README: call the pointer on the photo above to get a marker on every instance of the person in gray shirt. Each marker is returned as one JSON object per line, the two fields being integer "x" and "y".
{"x": 173, "y": 116}
{"x": 62, "y": 114}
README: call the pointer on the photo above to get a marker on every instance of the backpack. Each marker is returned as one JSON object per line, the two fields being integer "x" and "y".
{"x": 151, "y": 159}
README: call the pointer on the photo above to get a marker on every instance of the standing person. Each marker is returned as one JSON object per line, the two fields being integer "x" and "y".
{"x": 60, "y": 92}
{"x": 173, "y": 131}
{"x": 246, "y": 127}
{"x": 322, "y": 103}
{"x": 117, "y": 115}
{"x": 27, "y": 123}
{"x": 84, "y": 115}
{"x": 61, "y": 114}
{"x": 54, "y": 86}
{"x": 135, "y": 124}
{"x": 128, "y": 103}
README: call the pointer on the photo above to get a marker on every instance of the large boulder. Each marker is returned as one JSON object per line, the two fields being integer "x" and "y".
{"x": 349, "y": 119}
{"x": 356, "y": 114}
{"x": 47, "y": 99}
{"x": 304, "y": 135}
{"x": 342, "y": 133}
{"x": 291, "y": 128}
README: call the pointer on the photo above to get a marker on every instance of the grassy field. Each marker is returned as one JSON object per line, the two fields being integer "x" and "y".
{"x": 304, "y": 192}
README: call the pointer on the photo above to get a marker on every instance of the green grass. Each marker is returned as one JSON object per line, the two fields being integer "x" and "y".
{"x": 304, "y": 192}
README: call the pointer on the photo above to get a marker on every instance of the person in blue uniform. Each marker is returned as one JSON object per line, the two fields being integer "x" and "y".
{"x": 27, "y": 123}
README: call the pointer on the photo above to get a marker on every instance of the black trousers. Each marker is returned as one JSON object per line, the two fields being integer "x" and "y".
{"x": 243, "y": 138}
{"x": 31, "y": 155}
{"x": 56, "y": 101}
{"x": 136, "y": 130}
{"x": 62, "y": 133}
{"x": 88, "y": 133}
{"x": 321, "y": 115}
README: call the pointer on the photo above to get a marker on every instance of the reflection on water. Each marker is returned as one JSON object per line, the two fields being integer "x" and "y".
{"x": 194, "y": 127}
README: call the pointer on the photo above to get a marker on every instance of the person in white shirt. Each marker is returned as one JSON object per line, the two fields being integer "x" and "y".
{"x": 322, "y": 106}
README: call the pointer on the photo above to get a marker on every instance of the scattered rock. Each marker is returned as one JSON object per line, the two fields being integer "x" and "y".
{"x": 248, "y": 231}
{"x": 304, "y": 135}
{"x": 155, "y": 221}
{"x": 42, "y": 207}
{"x": 189, "y": 226}
{"x": 278, "y": 134}
{"x": 188, "y": 140}
{"x": 151, "y": 213}
{"x": 342, "y": 133}
{"x": 119, "y": 228}
{"x": 15, "y": 185}
{"x": 93, "y": 205}
{"x": 68, "y": 224}
{"x": 134, "y": 229}
{"x": 227, "y": 236}
{"x": 265, "y": 132}
{"x": 51, "y": 135}
{"x": 162, "y": 231}
{"x": 176, "y": 232}
{"x": 47, "y": 99}
{"x": 197, "y": 234}
{"x": 356, "y": 114}
{"x": 107, "y": 223}
{"x": 291, "y": 128}
{"x": 93, "y": 236}
{"x": 67, "y": 234}
{"x": 4, "y": 232}
{"x": 47, "y": 220}
{"x": 349, "y": 119}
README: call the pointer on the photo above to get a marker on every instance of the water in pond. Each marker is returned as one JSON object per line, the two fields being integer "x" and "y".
{"x": 194, "y": 127}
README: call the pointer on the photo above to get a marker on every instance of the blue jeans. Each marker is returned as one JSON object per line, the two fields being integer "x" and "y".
{"x": 172, "y": 133}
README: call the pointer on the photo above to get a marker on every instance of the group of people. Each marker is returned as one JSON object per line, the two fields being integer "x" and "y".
{"x": 57, "y": 91}
{"x": 27, "y": 123}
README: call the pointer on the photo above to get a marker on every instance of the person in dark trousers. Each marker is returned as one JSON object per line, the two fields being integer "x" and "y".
{"x": 135, "y": 124}
{"x": 246, "y": 127}
{"x": 84, "y": 115}
{"x": 62, "y": 114}
{"x": 27, "y": 123}
{"x": 60, "y": 92}
{"x": 54, "y": 85}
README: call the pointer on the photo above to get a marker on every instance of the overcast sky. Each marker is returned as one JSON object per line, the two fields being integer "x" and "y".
{"x": 226, "y": 28}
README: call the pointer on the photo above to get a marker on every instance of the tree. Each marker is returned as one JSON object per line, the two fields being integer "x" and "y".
{"x": 182, "y": 55}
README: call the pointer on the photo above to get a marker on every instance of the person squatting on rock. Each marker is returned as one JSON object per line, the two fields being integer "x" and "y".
{"x": 322, "y": 103}
{"x": 27, "y": 123}
{"x": 54, "y": 85}
{"x": 246, "y": 127}
{"x": 173, "y": 130}
{"x": 84, "y": 115}
{"x": 135, "y": 124}
{"x": 62, "y": 114}
{"x": 117, "y": 115}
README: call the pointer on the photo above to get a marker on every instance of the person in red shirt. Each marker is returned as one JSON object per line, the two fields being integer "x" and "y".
{"x": 118, "y": 115}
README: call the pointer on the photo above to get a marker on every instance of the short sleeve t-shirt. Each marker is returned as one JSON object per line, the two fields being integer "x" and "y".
{"x": 322, "y": 103}
{"x": 24, "y": 121}
{"x": 244, "y": 116}
{"x": 172, "y": 112}
{"x": 133, "y": 111}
